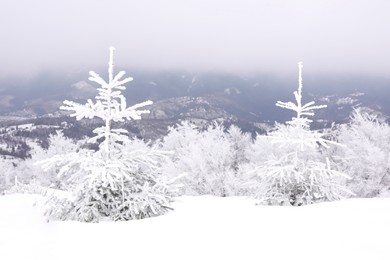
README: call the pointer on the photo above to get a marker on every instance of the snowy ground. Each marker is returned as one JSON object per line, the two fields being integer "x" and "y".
{"x": 204, "y": 228}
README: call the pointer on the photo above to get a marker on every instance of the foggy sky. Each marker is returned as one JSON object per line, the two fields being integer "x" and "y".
{"x": 329, "y": 36}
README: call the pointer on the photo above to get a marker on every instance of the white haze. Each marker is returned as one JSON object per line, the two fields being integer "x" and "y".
{"x": 341, "y": 36}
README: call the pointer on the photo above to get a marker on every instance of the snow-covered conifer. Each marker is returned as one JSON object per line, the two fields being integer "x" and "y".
{"x": 295, "y": 172}
{"x": 121, "y": 180}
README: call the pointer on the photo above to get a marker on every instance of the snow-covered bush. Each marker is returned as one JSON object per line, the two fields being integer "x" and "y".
{"x": 29, "y": 176}
{"x": 6, "y": 175}
{"x": 32, "y": 187}
{"x": 16, "y": 170}
{"x": 256, "y": 154}
{"x": 295, "y": 172}
{"x": 58, "y": 144}
{"x": 367, "y": 153}
{"x": 240, "y": 144}
{"x": 120, "y": 181}
{"x": 209, "y": 159}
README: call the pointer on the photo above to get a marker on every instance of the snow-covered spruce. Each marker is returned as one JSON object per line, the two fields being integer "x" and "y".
{"x": 120, "y": 181}
{"x": 295, "y": 172}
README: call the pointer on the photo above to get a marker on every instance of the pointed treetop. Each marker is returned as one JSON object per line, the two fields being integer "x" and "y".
{"x": 301, "y": 110}
{"x": 110, "y": 103}
{"x": 300, "y": 66}
{"x": 111, "y": 64}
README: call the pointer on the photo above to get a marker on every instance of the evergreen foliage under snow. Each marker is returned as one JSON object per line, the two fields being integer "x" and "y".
{"x": 131, "y": 179}
{"x": 295, "y": 172}
{"x": 121, "y": 180}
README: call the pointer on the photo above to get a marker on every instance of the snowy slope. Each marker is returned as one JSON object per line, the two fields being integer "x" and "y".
{"x": 203, "y": 228}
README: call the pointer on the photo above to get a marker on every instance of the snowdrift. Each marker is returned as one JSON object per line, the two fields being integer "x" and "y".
{"x": 204, "y": 227}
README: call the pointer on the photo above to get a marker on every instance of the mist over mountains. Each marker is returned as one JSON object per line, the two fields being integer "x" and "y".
{"x": 248, "y": 101}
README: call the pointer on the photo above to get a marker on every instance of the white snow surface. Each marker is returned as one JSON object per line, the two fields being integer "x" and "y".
{"x": 204, "y": 227}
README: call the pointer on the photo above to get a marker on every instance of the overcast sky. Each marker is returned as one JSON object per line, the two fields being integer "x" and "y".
{"x": 342, "y": 36}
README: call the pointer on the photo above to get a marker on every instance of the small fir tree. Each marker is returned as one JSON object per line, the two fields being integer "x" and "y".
{"x": 121, "y": 180}
{"x": 295, "y": 172}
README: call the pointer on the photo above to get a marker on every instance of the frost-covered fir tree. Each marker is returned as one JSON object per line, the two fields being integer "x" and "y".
{"x": 120, "y": 181}
{"x": 295, "y": 172}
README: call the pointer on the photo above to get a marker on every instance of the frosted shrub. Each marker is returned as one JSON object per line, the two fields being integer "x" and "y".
{"x": 6, "y": 175}
{"x": 256, "y": 154}
{"x": 120, "y": 181}
{"x": 209, "y": 159}
{"x": 366, "y": 157}
{"x": 295, "y": 172}
{"x": 58, "y": 144}
{"x": 30, "y": 177}
{"x": 240, "y": 144}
